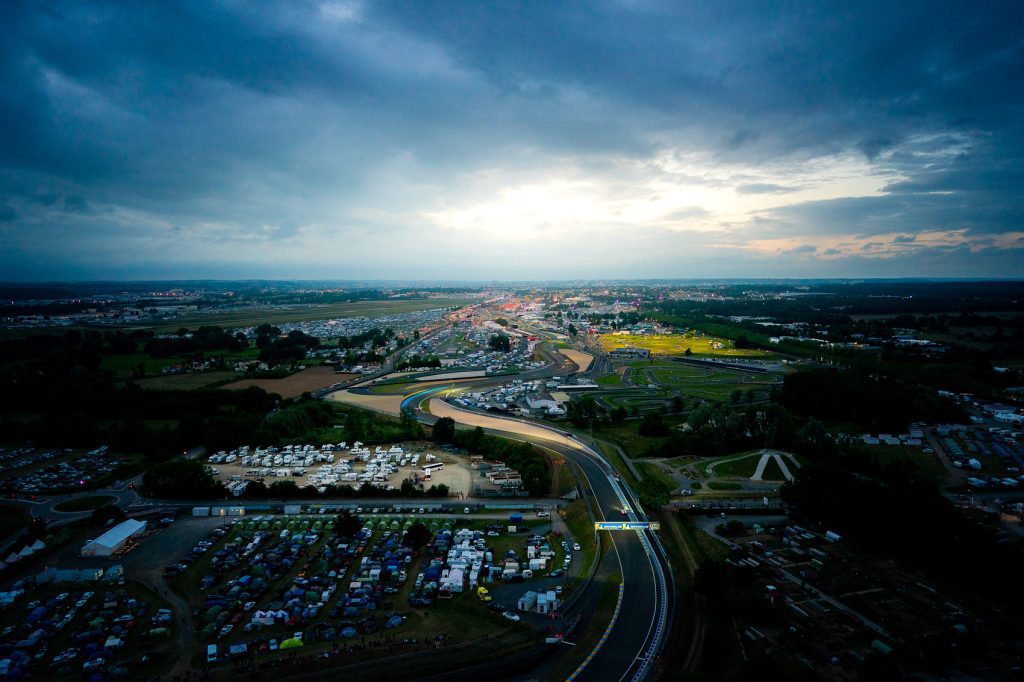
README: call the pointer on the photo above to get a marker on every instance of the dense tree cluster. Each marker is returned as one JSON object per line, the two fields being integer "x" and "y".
{"x": 207, "y": 338}
{"x": 291, "y": 347}
{"x": 893, "y": 509}
{"x": 872, "y": 402}
{"x": 653, "y": 426}
{"x": 417, "y": 361}
{"x": 499, "y": 343}
{"x": 443, "y": 430}
{"x": 654, "y": 493}
{"x": 371, "y": 428}
{"x": 718, "y": 429}
{"x": 584, "y": 411}
{"x": 377, "y": 338}
{"x": 181, "y": 479}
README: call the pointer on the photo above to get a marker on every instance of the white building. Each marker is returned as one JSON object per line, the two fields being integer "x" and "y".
{"x": 114, "y": 538}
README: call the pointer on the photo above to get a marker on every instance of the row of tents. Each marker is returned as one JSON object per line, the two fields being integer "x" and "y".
{"x": 26, "y": 551}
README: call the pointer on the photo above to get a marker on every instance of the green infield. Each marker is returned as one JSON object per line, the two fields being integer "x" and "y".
{"x": 87, "y": 503}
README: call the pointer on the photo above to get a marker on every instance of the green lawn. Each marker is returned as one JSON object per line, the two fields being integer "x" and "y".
{"x": 773, "y": 472}
{"x": 582, "y": 529}
{"x": 612, "y": 456}
{"x": 723, "y": 485}
{"x": 736, "y": 466}
{"x": 87, "y": 503}
{"x": 587, "y": 640}
{"x": 610, "y": 380}
{"x": 123, "y": 365}
{"x": 655, "y": 472}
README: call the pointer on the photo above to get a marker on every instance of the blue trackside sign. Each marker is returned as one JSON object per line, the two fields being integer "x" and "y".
{"x": 627, "y": 525}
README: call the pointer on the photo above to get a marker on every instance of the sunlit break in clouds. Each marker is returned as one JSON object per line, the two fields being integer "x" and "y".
{"x": 511, "y": 141}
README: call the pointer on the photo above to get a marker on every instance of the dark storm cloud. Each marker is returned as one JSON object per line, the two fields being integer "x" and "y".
{"x": 143, "y": 133}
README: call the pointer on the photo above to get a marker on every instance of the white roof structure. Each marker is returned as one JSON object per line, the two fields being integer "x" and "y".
{"x": 116, "y": 536}
{"x": 38, "y": 545}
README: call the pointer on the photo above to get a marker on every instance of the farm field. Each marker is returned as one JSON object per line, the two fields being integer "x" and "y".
{"x": 185, "y": 382}
{"x": 293, "y": 386}
{"x": 302, "y": 313}
{"x": 677, "y": 344}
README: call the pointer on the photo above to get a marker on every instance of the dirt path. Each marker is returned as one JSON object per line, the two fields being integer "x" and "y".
{"x": 185, "y": 640}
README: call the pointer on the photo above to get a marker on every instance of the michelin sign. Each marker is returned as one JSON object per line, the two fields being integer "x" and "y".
{"x": 627, "y": 525}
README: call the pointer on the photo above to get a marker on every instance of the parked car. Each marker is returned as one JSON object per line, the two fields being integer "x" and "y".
{"x": 511, "y": 616}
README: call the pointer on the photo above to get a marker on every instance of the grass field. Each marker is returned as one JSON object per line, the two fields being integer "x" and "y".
{"x": 185, "y": 382}
{"x": 740, "y": 465}
{"x": 124, "y": 365}
{"x": 627, "y": 435}
{"x": 84, "y": 503}
{"x": 655, "y": 472}
{"x": 563, "y": 481}
{"x": 772, "y": 471}
{"x": 302, "y": 313}
{"x": 306, "y": 380}
{"x": 607, "y": 598}
{"x": 582, "y": 530}
{"x": 613, "y": 458}
{"x": 930, "y": 465}
{"x": 677, "y": 344}
{"x": 723, "y": 485}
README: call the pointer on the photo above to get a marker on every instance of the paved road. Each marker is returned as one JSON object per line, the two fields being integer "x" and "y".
{"x": 647, "y": 599}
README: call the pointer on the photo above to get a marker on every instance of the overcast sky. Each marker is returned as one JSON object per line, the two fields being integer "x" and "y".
{"x": 471, "y": 140}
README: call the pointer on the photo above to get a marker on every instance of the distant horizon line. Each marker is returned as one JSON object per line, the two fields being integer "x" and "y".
{"x": 492, "y": 282}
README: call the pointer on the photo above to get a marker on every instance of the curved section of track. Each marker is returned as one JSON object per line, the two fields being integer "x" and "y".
{"x": 638, "y": 634}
